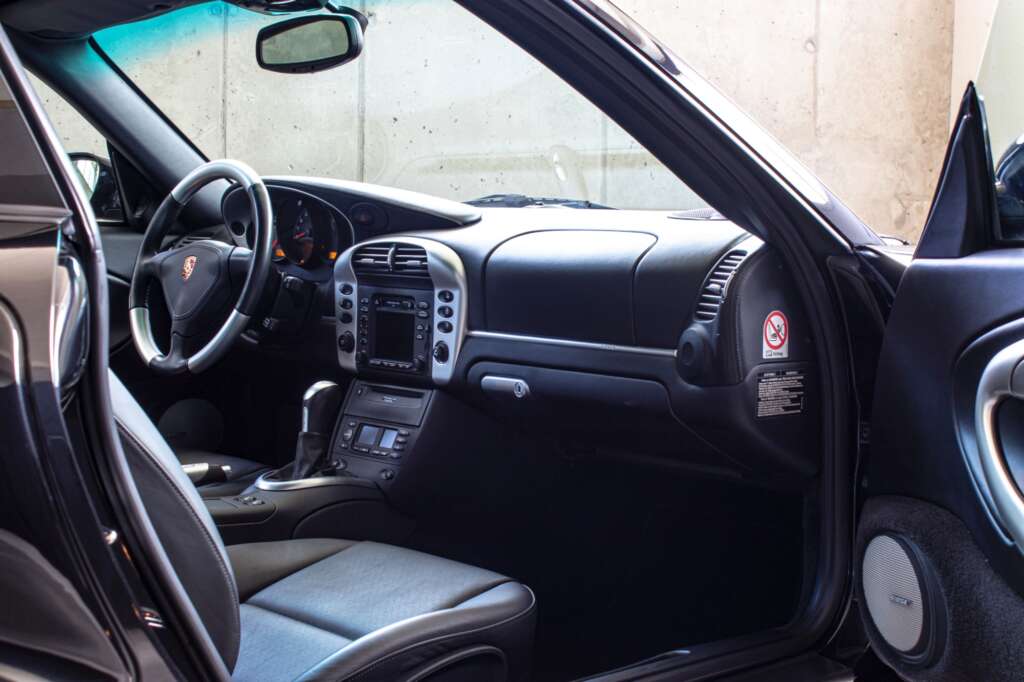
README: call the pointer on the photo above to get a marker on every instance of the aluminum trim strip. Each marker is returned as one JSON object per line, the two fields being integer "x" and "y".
{"x": 572, "y": 343}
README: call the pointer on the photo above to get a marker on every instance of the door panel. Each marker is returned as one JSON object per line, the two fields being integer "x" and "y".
{"x": 939, "y": 577}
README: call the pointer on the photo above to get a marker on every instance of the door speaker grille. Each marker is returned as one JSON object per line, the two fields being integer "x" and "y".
{"x": 892, "y": 590}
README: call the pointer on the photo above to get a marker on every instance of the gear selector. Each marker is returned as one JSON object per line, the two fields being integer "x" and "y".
{"x": 320, "y": 406}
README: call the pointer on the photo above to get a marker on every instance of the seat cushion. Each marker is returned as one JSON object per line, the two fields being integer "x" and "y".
{"x": 242, "y": 474}
{"x": 338, "y": 609}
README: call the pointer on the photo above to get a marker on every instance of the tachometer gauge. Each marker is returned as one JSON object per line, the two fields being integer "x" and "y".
{"x": 297, "y": 231}
{"x": 307, "y": 232}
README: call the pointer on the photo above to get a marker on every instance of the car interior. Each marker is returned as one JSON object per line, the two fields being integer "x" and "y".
{"x": 379, "y": 431}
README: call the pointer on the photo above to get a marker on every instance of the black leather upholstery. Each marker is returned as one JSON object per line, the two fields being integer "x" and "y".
{"x": 327, "y": 609}
{"x": 370, "y": 611}
{"x": 242, "y": 474}
{"x": 179, "y": 516}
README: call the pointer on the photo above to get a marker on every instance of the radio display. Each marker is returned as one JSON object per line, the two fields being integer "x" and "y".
{"x": 394, "y": 335}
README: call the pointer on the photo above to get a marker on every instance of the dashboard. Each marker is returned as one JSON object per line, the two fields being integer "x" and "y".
{"x": 561, "y": 319}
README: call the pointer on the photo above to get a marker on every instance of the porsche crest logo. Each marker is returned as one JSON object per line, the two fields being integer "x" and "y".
{"x": 188, "y": 267}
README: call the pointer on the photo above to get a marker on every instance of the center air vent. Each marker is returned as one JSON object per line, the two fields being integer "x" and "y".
{"x": 391, "y": 258}
{"x": 713, "y": 292}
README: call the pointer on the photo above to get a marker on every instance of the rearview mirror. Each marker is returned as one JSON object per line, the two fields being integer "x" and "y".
{"x": 309, "y": 44}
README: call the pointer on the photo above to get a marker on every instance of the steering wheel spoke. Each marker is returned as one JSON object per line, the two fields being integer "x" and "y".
{"x": 199, "y": 280}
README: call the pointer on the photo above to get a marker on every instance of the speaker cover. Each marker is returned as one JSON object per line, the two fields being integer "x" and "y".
{"x": 893, "y": 593}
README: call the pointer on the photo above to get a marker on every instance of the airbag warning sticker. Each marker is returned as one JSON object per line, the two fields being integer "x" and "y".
{"x": 780, "y": 393}
{"x": 775, "y": 336}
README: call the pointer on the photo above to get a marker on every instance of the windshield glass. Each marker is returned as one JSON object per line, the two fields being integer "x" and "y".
{"x": 438, "y": 103}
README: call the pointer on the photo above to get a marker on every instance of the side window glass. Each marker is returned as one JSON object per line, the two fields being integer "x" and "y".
{"x": 87, "y": 150}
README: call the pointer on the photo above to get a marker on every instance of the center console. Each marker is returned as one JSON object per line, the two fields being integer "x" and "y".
{"x": 377, "y": 430}
{"x": 346, "y": 458}
{"x": 401, "y": 309}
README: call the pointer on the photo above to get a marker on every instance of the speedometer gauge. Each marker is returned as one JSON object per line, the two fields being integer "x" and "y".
{"x": 306, "y": 232}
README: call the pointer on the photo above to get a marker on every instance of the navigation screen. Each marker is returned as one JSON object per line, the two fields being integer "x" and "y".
{"x": 394, "y": 336}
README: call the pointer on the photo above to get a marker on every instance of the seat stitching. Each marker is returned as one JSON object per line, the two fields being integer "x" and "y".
{"x": 369, "y": 667}
{"x": 299, "y": 570}
{"x": 504, "y": 581}
{"x": 299, "y": 620}
{"x": 216, "y": 551}
{"x": 304, "y": 622}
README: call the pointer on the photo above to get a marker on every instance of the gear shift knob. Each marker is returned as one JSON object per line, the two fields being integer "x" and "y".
{"x": 320, "y": 407}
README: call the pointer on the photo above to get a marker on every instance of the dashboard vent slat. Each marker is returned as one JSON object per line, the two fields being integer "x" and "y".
{"x": 391, "y": 258}
{"x": 712, "y": 294}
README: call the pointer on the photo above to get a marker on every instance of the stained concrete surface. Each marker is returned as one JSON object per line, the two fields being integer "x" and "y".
{"x": 441, "y": 103}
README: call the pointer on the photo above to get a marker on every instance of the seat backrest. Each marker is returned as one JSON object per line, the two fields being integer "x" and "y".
{"x": 184, "y": 526}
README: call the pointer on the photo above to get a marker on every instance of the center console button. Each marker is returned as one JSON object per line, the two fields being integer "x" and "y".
{"x": 446, "y": 296}
{"x": 387, "y": 474}
{"x": 346, "y": 318}
{"x": 441, "y": 352}
{"x": 444, "y": 326}
{"x": 346, "y": 289}
{"x": 347, "y": 342}
{"x": 346, "y": 303}
{"x": 422, "y": 314}
{"x": 445, "y": 311}
{"x": 422, "y": 305}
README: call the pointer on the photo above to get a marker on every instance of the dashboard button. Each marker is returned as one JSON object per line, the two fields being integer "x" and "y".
{"x": 444, "y": 326}
{"x": 441, "y": 352}
{"x": 387, "y": 474}
{"x": 422, "y": 305}
{"x": 347, "y": 342}
{"x": 446, "y": 296}
{"x": 422, "y": 313}
{"x": 445, "y": 311}
{"x": 346, "y": 289}
{"x": 346, "y": 318}
{"x": 346, "y": 303}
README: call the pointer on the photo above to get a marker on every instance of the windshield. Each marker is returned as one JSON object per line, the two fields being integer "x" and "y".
{"x": 438, "y": 103}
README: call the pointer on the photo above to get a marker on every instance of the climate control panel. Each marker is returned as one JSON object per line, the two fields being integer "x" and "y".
{"x": 400, "y": 307}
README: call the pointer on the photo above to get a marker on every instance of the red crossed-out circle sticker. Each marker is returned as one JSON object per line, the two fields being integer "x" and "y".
{"x": 776, "y": 329}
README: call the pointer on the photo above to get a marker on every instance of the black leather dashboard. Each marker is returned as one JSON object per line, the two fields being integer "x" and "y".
{"x": 598, "y": 311}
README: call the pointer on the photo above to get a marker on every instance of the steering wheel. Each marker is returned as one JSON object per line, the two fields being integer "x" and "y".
{"x": 199, "y": 280}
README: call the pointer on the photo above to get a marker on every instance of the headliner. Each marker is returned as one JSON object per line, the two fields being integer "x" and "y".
{"x": 78, "y": 18}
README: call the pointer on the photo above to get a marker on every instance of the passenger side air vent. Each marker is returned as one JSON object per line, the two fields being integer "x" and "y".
{"x": 712, "y": 294}
{"x": 391, "y": 258}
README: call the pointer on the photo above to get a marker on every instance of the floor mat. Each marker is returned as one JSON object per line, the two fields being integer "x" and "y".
{"x": 627, "y": 563}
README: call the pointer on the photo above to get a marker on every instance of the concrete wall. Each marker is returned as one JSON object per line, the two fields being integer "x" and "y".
{"x": 439, "y": 103}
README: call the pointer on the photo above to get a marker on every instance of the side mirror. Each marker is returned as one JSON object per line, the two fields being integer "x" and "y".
{"x": 99, "y": 184}
{"x": 309, "y": 44}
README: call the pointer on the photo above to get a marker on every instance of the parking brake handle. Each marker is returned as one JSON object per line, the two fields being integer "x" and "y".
{"x": 320, "y": 406}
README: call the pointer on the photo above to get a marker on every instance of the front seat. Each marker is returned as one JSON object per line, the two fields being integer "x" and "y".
{"x": 326, "y": 609}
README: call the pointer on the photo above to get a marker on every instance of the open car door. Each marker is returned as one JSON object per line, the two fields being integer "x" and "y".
{"x": 940, "y": 569}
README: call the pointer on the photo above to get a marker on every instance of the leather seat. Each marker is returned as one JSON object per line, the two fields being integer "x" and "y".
{"x": 326, "y": 609}
{"x": 241, "y": 473}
